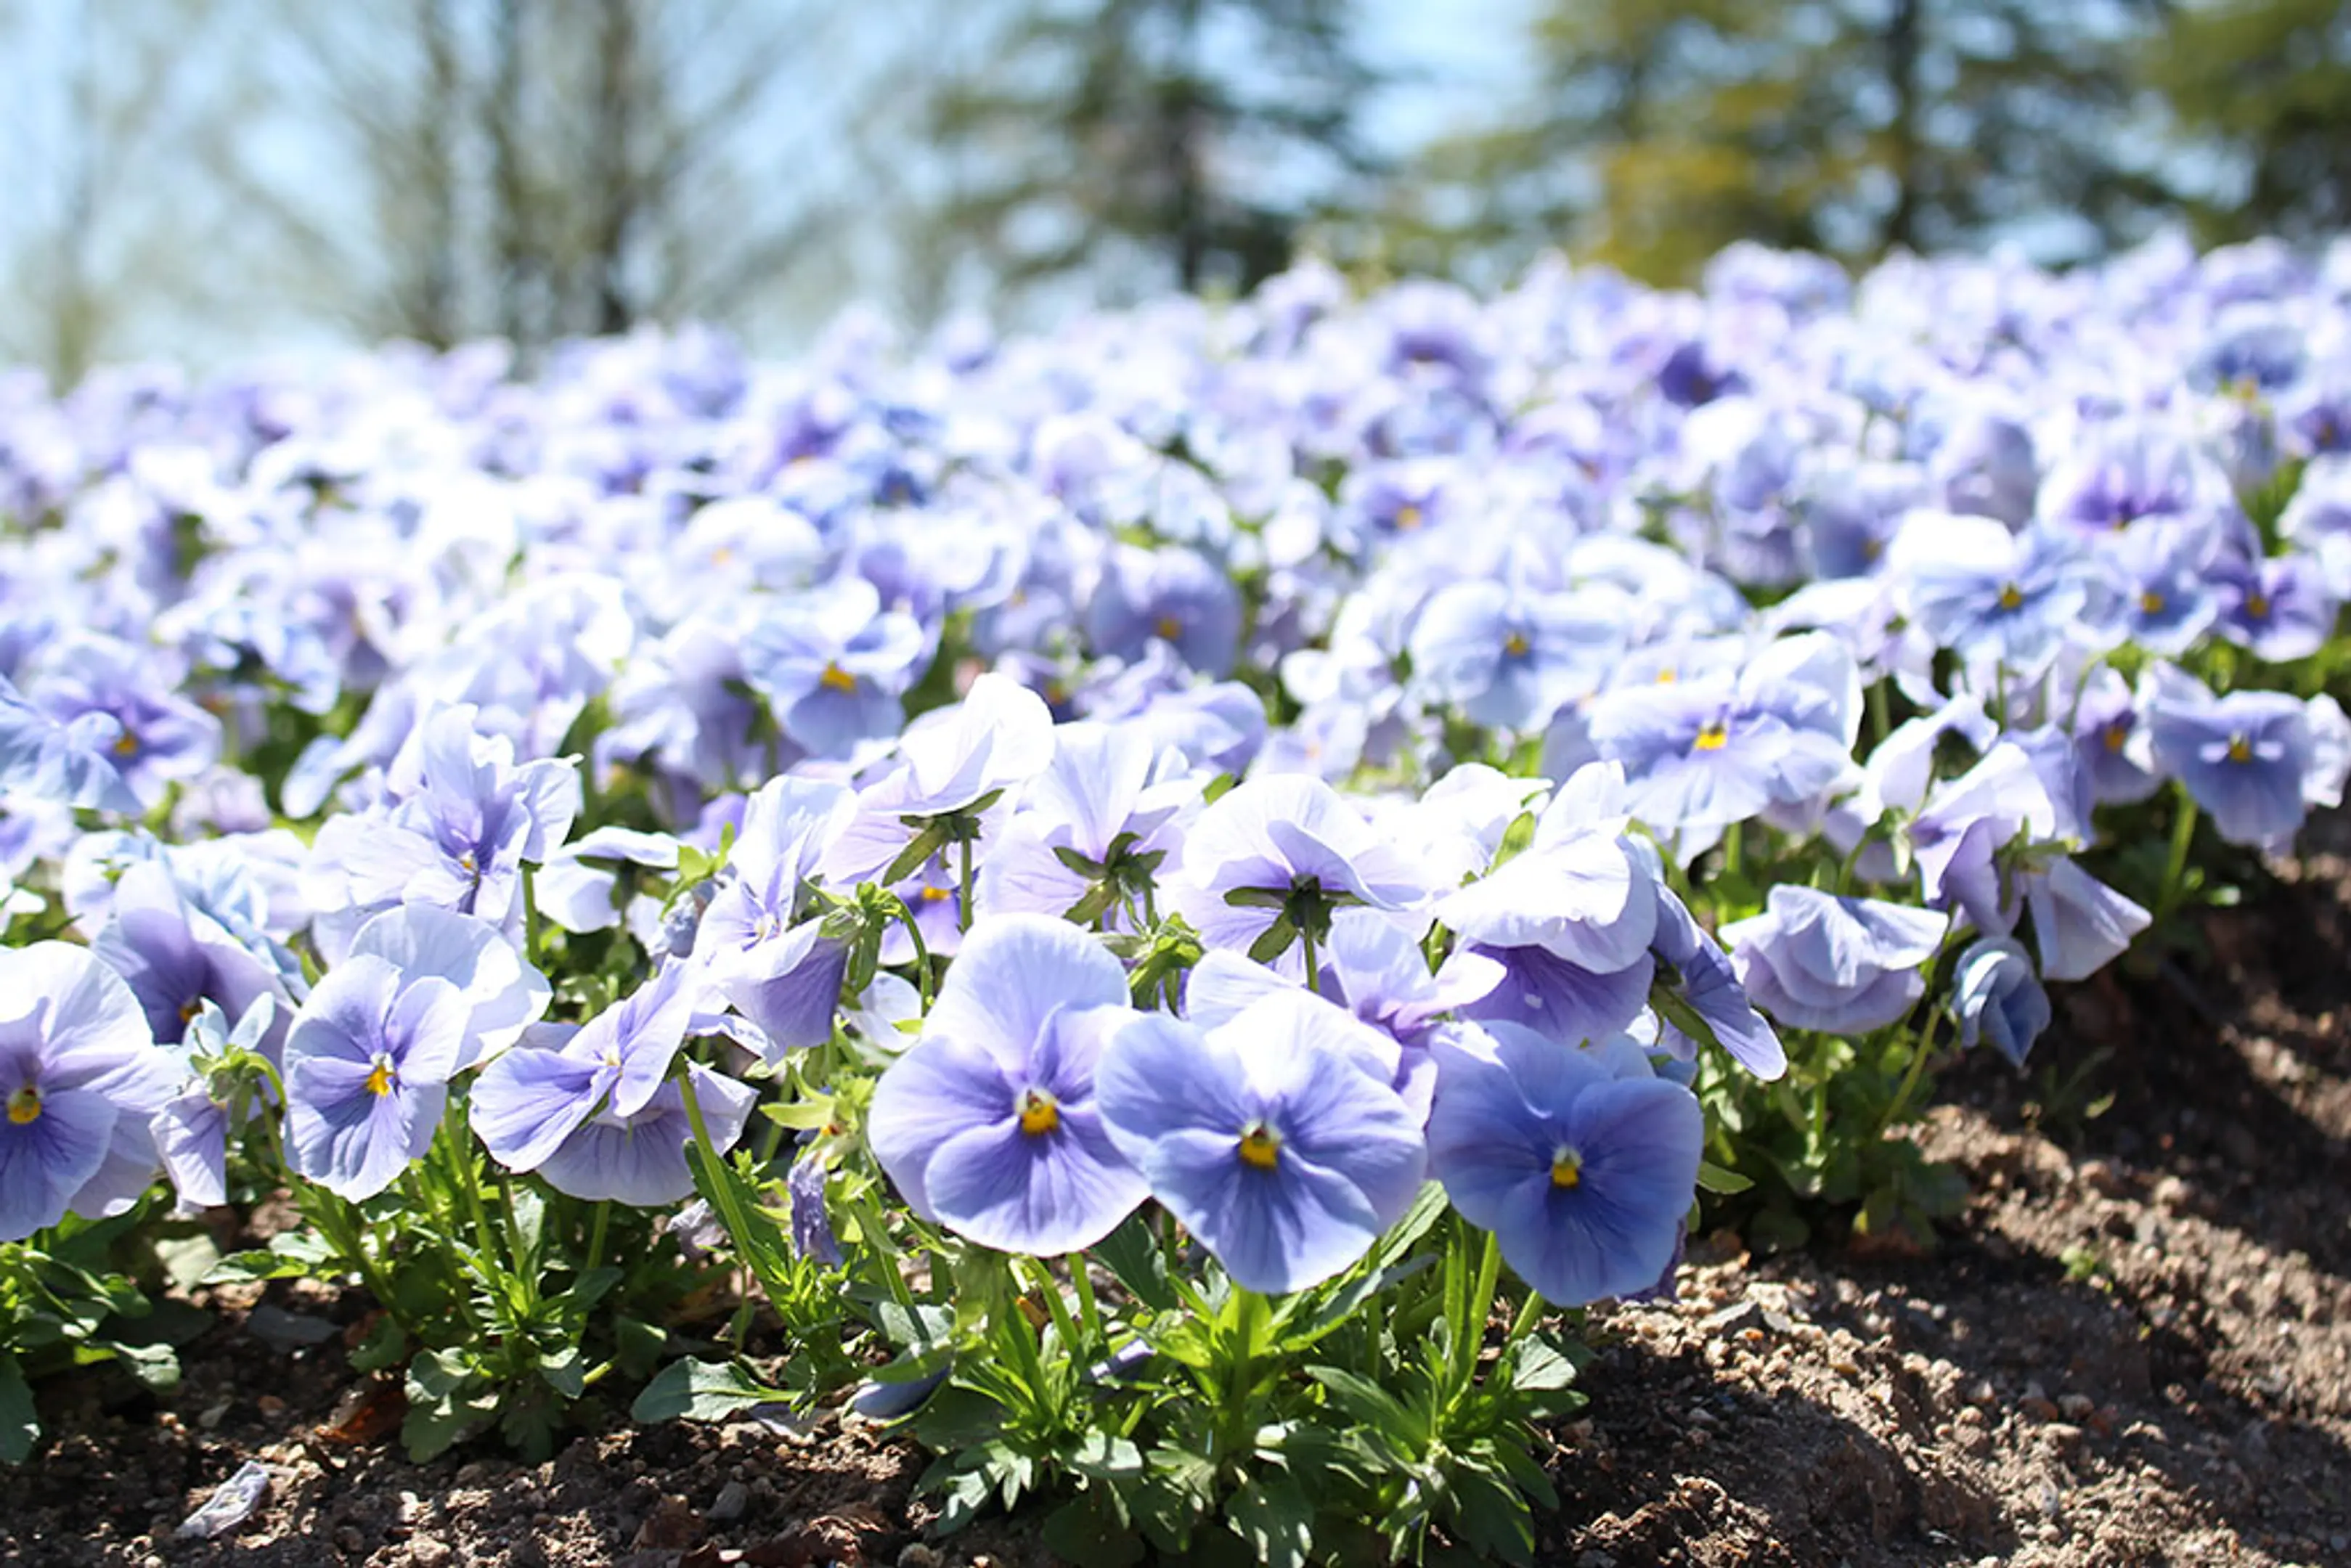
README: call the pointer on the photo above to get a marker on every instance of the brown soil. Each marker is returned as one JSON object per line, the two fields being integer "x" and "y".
{"x": 2134, "y": 1348}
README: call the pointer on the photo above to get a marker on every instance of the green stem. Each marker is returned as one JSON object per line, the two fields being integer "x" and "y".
{"x": 968, "y": 890}
{"x": 334, "y": 1217}
{"x": 723, "y": 1193}
{"x": 461, "y": 1168}
{"x": 1732, "y": 845}
{"x": 1470, "y": 1334}
{"x": 1923, "y": 1049}
{"x": 596, "y": 1229}
{"x": 529, "y": 916}
{"x": 1249, "y": 1310}
{"x": 2183, "y": 837}
{"x": 1313, "y": 962}
{"x": 922, "y": 950}
{"x": 1041, "y": 1279}
{"x": 1089, "y": 1310}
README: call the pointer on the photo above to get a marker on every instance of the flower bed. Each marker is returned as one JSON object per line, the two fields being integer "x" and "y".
{"x": 1163, "y": 906}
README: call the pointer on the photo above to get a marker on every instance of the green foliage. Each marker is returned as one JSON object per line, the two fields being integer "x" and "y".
{"x": 1159, "y": 1410}
{"x": 2266, "y": 86}
{"x": 69, "y": 1297}
{"x": 1662, "y": 132}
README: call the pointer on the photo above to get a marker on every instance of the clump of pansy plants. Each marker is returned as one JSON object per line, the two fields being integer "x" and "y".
{"x": 1164, "y": 907}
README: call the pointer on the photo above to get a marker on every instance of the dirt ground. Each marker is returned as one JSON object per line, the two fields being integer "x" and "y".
{"x": 2134, "y": 1348}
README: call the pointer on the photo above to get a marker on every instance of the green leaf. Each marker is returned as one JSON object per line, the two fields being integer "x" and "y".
{"x": 448, "y": 1401}
{"x": 156, "y": 1367}
{"x": 1542, "y": 1365}
{"x": 1091, "y": 1529}
{"x": 589, "y": 1289}
{"x": 1132, "y": 1255}
{"x": 1720, "y": 1179}
{"x": 637, "y": 1345}
{"x": 291, "y": 1255}
{"x": 925, "y": 844}
{"x": 1092, "y": 870}
{"x": 921, "y": 1329}
{"x": 565, "y": 1372}
{"x": 1106, "y": 1457}
{"x": 1274, "y": 942}
{"x": 1373, "y": 1405}
{"x": 20, "y": 1424}
{"x": 382, "y": 1348}
{"x": 1490, "y": 1515}
{"x": 702, "y": 1391}
{"x": 186, "y": 1260}
{"x": 1276, "y": 1520}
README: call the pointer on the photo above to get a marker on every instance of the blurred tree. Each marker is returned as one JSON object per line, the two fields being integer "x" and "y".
{"x": 1664, "y": 131}
{"x": 2265, "y": 84}
{"x": 100, "y": 212}
{"x": 1148, "y": 142}
{"x": 546, "y": 168}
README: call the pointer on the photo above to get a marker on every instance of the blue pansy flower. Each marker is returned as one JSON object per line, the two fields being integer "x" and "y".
{"x": 80, "y": 1080}
{"x": 1276, "y": 1138}
{"x": 989, "y": 1123}
{"x": 1581, "y": 1163}
{"x": 1841, "y": 966}
{"x": 1997, "y": 998}
{"x": 368, "y": 1063}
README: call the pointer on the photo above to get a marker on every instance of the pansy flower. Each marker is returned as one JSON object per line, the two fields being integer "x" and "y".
{"x": 80, "y": 1080}
{"x": 1581, "y": 1163}
{"x": 988, "y": 1124}
{"x": 368, "y": 1063}
{"x": 1276, "y": 1137}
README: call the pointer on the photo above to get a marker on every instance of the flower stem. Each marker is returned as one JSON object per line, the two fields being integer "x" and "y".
{"x": 1313, "y": 962}
{"x": 1249, "y": 1311}
{"x": 2183, "y": 838}
{"x": 596, "y": 1230}
{"x": 966, "y": 891}
{"x": 922, "y": 950}
{"x": 1920, "y": 1050}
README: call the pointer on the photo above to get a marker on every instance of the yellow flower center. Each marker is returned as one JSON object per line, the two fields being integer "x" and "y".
{"x": 2257, "y": 605}
{"x": 1667, "y": 676}
{"x": 937, "y": 894}
{"x": 723, "y": 556}
{"x": 1038, "y": 1114}
{"x": 2012, "y": 597}
{"x": 24, "y": 1105}
{"x": 2240, "y": 750}
{"x": 379, "y": 1082}
{"x": 1713, "y": 736}
{"x": 1407, "y": 517}
{"x": 1515, "y": 644}
{"x": 2116, "y": 737}
{"x": 1261, "y": 1147}
{"x": 126, "y": 744}
{"x": 189, "y": 1009}
{"x": 1566, "y": 1168}
{"x": 837, "y": 679}
{"x": 2150, "y": 603}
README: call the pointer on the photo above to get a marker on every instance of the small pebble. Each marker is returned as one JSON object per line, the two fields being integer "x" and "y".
{"x": 236, "y": 1500}
{"x": 2075, "y": 1405}
{"x": 918, "y": 1556}
{"x": 733, "y": 1501}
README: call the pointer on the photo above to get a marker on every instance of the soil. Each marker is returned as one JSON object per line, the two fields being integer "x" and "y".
{"x": 2135, "y": 1347}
